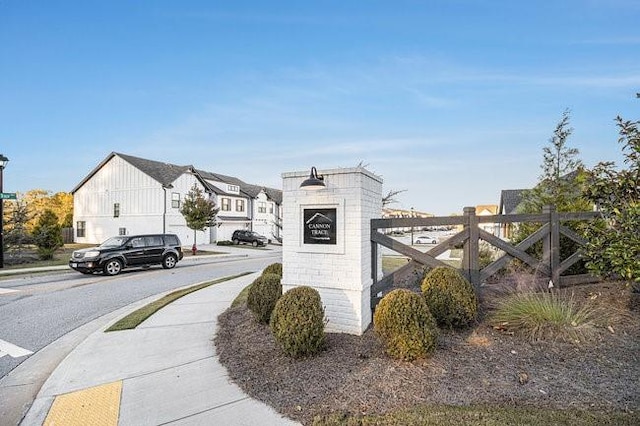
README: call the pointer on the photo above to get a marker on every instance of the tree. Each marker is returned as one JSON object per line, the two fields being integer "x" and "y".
{"x": 613, "y": 249}
{"x": 16, "y": 235}
{"x": 559, "y": 185}
{"x": 61, "y": 203}
{"x": 47, "y": 235}
{"x": 39, "y": 200}
{"x": 391, "y": 197}
{"x": 199, "y": 212}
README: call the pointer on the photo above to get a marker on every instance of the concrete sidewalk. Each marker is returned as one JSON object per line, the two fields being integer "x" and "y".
{"x": 164, "y": 372}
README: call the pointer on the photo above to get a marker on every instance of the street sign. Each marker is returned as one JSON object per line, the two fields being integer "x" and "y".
{"x": 8, "y": 196}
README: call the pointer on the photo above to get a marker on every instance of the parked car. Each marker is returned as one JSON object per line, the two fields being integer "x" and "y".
{"x": 248, "y": 237}
{"x": 118, "y": 253}
{"x": 426, "y": 239}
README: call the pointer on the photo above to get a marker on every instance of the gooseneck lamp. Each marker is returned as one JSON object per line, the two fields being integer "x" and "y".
{"x": 314, "y": 182}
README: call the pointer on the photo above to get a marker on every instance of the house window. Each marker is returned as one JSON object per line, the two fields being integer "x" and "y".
{"x": 122, "y": 231}
{"x": 271, "y": 208}
{"x": 81, "y": 228}
{"x": 175, "y": 200}
{"x": 116, "y": 210}
{"x": 233, "y": 188}
{"x": 226, "y": 204}
{"x": 262, "y": 207}
{"x": 239, "y": 205}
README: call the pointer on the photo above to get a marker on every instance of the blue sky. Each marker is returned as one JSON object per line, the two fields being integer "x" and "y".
{"x": 450, "y": 100}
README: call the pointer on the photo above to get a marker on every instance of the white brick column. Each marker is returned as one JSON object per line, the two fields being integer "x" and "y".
{"x": 339, "y": 267}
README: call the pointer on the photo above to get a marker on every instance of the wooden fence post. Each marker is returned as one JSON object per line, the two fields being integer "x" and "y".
{"x": 471, "y": 248}
{"x": 551, "y": 245}
{"x": 374, "y": 260}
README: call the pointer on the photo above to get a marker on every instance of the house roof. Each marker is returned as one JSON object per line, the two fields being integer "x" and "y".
{"x": 166, "y": 173}
{"x": 491, "y": 208}
{"x": 247, "y": 188}
{"x": 510, "y": 199}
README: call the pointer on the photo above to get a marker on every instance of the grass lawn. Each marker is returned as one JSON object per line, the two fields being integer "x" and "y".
{"x": 391, "y": 263}
{"x": 136, "y": 317}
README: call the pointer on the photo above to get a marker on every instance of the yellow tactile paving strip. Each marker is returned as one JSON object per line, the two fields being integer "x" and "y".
{"x": 97, "y": 406}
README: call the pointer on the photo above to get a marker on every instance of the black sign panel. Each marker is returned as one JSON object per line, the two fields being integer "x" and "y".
{"x": 319, "y": 226}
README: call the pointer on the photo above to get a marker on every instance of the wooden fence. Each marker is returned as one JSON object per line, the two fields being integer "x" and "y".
{"x": 549, "y": 266}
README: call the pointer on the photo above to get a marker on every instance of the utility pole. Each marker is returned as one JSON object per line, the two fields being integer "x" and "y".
{"x": 3, "y": 162}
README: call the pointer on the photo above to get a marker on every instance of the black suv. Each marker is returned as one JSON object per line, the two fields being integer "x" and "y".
{"x": 122, "y": 252}
{"x": 249, "y": 237}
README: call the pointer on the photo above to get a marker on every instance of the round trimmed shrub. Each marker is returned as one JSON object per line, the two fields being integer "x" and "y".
{"x": 297, "y": 322}
{"x": 263, "y": 294}
{"x": 274, "y": 268}
{"x": 403, "y": 321}
{"x": 450, "y": 297}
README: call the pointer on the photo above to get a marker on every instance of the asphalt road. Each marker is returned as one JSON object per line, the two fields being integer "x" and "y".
{"x": 36, "y": 310}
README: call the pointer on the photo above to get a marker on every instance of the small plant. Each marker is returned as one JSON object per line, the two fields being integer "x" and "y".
{"x": 545, "y": 316}
{"x": 403, "y": 321}
{"x": 264, "y": 292}
{"x": 485, "y": 257}
{"x": 297, "y": 322}
{"x": 450, "y": 297}
{"x": 274, "y": 268}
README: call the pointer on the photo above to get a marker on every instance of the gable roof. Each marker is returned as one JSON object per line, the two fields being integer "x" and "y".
{"x": 166, "y": 173}
{"x": 491, "y": 208}
{"x": 510, "y": 199}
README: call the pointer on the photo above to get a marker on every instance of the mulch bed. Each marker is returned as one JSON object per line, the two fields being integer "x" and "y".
{"x": 481, "y": 365}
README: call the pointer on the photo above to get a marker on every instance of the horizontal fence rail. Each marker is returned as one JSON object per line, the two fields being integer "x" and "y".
{"x": 549, "y": 266}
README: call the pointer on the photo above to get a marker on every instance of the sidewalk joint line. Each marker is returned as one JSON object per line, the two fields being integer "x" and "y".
{"x": 174, "y": 325}
{"x": 167, "y": 368}
{"x": 204, "y": 411}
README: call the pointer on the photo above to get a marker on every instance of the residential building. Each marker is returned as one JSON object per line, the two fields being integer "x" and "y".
{"x": 127, "y": 195}
{"x": 488, "y": 210}
{"x": 510, "y": 199}
{"x": 388, "y": 213}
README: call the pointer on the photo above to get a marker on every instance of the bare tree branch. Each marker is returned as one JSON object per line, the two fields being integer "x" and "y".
{"x": 390, "y": 197}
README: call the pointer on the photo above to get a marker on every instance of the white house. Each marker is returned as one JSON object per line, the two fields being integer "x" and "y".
{"x": 127, "y": 195}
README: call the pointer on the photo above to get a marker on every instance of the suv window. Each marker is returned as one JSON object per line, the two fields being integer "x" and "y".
{"x": 153, "y": 241}
{"x": 171, "y": 240}
{"x": 137, "y": 242}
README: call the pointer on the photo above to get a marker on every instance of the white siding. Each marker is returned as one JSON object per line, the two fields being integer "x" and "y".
{"x": 141, "y": 201}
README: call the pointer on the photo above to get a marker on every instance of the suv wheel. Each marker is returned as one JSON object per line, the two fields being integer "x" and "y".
{"x": 169, "y": 261}
{"x": 254, "y": 243}
{"x": 236, "y": 241}
{"x": 112, "y": 267}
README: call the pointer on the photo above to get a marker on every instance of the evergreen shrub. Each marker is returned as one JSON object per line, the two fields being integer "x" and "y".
{"x": 404, "y": 323}
{"x": 297, "y": 322}
{"x": 274, "y": 268}
{"x": 451, "y": 298}
{"x": 263, "y": 294}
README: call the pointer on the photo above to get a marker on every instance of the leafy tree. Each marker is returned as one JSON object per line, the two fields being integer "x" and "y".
{"x": 62, "y": 205}
{"x": 39, "y": 200}
{"x": 198, "y": 211}
{"x": 47, "y": 235}
{"x": 559, "y": 186}
{"x": 613, "y": 250}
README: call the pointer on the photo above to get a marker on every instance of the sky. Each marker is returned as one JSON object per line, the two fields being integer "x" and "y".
{"x": 449, "y": 101}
